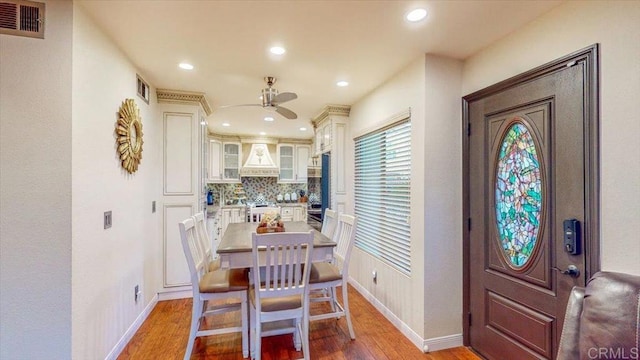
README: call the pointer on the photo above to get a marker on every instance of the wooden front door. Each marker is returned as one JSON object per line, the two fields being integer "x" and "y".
{"x": 530, "y": 182}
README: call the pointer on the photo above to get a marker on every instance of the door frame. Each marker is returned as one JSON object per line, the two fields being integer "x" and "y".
{"x": 589, "y": 56}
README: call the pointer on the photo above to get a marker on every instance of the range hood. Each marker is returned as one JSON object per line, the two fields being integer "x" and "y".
{"x": 259, "y": 163}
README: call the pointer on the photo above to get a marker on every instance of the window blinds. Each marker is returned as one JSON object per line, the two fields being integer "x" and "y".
{"x": 383, "y": 194}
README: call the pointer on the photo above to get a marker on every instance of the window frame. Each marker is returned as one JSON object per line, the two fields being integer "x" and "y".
{"x": 382, "y": 181}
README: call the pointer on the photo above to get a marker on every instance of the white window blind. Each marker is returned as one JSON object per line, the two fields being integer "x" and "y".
{"x": 382, "y": 194}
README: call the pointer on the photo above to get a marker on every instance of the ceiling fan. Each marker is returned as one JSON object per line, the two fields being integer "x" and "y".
{"x": 271, "y": 99}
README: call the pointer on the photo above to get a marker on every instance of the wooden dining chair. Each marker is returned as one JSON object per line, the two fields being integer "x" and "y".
{"x": 326, "y": 275}
{"x": 256, "y": 213}
{"x": 280, "y": 287}
{"x": 213, "y": 285}
{"x": 329, "y": 223}
{"x": 213, "y": 263}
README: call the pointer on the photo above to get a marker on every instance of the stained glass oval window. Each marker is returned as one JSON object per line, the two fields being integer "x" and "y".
{"x": 518, "y": 195}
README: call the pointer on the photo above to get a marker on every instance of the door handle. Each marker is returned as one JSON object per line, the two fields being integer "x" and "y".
{"x": 572, "y": 271}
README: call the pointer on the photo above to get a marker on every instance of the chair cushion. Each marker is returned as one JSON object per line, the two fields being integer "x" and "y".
{"x": 214, "y": 265}
{"x": 278, "y": 303}
{"x": 221, "y": 281}
{"x": 323, "y": 272}
{"x": 610, "y": 318}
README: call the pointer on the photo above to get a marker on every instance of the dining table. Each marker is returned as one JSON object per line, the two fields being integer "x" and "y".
{"x": 235, "y": 249}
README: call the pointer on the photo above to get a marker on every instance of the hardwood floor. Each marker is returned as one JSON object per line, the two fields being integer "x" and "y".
{"x": 165, "y": 332}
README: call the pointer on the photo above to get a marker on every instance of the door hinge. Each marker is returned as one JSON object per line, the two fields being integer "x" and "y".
{"x": 469, "y": 319}
{"x": 469, "y": 224}
{"x": 468, "y": 129}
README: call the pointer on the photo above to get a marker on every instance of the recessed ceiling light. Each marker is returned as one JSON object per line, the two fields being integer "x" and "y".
{"x": 278, "y": 50}
{"x": 226, "y": 124}
{"x": 263, "y": 133}
{"x": 416, "y": 15}
{"x": 268, "y": 118}
{"x": 303, "y": 129}
{"x": 342, "y": 83}
{"x": 185, "y": 66}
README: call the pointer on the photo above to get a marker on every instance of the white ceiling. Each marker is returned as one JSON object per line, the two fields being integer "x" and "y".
{"x": 362, "y": 42}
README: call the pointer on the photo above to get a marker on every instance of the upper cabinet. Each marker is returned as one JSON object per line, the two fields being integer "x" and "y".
{"x": 225, "y": 161}
{"x": 215, "y": 160}
{"x": 293, "y": 162}
{"x": 323, "y": 137}
{"x": 232, "y": 158}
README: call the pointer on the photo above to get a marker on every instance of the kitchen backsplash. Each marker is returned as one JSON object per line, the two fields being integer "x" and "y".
{"x": 266, "y": 186}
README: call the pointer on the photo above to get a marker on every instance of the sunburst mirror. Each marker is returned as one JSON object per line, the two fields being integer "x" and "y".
{"x": 129, "y": 135}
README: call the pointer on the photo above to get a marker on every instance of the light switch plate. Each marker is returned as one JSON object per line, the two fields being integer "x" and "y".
{"x": 153, "y": 207}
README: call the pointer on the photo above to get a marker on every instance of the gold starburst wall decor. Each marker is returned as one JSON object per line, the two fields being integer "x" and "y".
{"x": 129, "y": 135}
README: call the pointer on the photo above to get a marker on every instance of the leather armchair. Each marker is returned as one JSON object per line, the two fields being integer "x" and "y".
{"x": 602, "y": 321}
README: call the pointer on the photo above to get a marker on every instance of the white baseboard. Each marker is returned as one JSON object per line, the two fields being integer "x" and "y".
{"x": 115, "y": 352}
{"x": 425, "y": 345}
{"x": 172, "y": 295}
{"x": 441, "y": 343}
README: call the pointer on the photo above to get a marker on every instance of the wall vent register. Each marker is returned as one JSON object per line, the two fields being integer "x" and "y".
{"x": 22, "y": 18}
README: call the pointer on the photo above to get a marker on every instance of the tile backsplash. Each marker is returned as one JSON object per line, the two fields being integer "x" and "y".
{"x": 266, "y": 186}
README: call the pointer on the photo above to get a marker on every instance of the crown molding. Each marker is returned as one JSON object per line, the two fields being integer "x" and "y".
{"x": 169, "y": 96}
{"x": 259, "y": 139}
{"x": 329, "y": 110}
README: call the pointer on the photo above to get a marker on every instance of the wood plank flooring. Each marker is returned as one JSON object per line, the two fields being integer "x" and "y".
{"x": 165, "y": 333}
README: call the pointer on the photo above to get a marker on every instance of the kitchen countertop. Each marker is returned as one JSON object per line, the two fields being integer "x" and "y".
{"x": 291, "y": 204}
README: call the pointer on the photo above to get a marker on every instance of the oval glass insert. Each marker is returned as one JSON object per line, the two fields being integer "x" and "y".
{"x": 518, "y": 195}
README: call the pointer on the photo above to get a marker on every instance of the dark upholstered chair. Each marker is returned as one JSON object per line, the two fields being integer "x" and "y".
{"x": 602, "y": 321}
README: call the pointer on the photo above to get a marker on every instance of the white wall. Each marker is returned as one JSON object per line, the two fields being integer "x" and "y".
{"x": 567, "y": 28}
{"x": 429, "y": 302}
{"x": 107, "y": 264}
{"x": 35, "y": 190}
{"x": 443, "y": 197}
{"x": 401, "y": 295}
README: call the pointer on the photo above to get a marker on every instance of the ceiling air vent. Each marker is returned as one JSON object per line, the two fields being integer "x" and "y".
{"x": 22, "y": 18}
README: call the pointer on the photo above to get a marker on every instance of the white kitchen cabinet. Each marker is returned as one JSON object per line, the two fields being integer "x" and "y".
{"x": 324, "y": 138}
{"x": 231, "y": 215}
{"x": 232, "y": 156}
{"x": 303, "y": 152}
{"x": 286, "y": 163}
{"x": 293, "y": 163}
{"x": 215, "y": 160}
{"x": 293, "y": 212}
{"x": 286, "y": 213}
{"x": 299, "y": 213}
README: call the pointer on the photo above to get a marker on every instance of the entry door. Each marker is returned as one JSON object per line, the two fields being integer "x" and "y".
{"x": 528, "y": 186}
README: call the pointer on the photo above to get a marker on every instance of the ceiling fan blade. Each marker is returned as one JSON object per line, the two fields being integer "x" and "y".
{"x": 228, "y": 106}
{"x": 286, "y": 112}
{"x": 284, "y": 97}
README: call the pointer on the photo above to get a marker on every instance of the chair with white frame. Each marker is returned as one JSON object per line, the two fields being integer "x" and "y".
{"x": 280, "y": 291}
{"x": 325, "y": 275}
{"x": 256, "y": 213}
{"x": 329, "y": 223}
{"x": 205, "y": 242}
{"x": 213, "y": 285}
